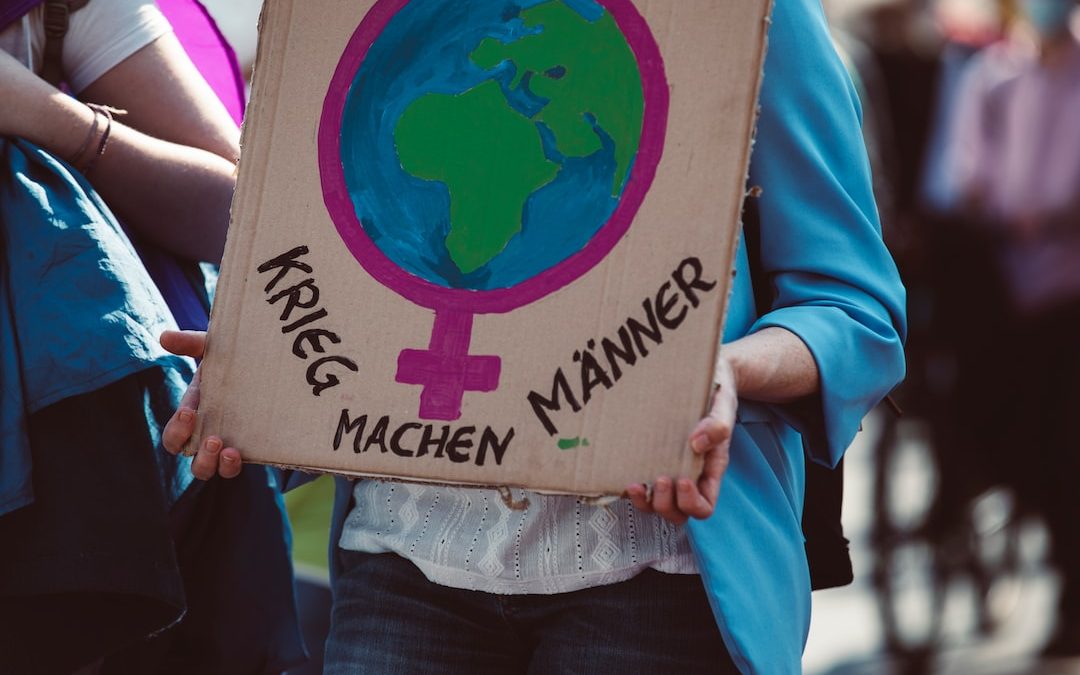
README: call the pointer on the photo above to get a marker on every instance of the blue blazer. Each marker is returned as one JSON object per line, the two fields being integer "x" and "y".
{"x": 837, "y": 288}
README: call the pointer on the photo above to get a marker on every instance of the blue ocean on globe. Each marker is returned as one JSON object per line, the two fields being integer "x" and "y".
{"x": 426, "y": 49}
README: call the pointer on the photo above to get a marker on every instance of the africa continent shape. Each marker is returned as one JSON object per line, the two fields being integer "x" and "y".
{"x": 491, "y": 157}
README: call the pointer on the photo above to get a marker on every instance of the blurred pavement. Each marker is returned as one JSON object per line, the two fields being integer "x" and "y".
{"x": 846, "y": 629}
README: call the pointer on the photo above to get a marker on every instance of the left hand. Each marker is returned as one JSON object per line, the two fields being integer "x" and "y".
{"x": 212, "y": 457}
{"x": 679, "y": 500}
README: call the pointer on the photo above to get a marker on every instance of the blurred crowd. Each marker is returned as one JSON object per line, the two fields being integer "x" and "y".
{"x": 972, "y": 118}
{"x": 971, "y": 112}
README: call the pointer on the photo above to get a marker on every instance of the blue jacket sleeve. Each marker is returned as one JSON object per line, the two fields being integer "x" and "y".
{"x": 835, "y": 284}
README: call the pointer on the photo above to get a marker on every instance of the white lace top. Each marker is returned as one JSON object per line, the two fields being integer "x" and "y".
{"x": 469, "y": 538}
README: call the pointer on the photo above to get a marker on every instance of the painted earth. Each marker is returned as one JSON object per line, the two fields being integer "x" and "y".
{"x": 481, "y": 167}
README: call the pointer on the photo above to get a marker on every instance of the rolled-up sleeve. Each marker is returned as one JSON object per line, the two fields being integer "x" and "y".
{"x": 835, "y": 284}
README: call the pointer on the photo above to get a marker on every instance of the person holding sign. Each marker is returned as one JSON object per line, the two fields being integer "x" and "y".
{"x": 695, "y": 574}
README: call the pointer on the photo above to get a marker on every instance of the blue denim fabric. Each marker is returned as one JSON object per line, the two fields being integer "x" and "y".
{"x": 389, "y": 619}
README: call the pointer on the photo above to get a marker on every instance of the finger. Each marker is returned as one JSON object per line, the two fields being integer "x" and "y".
{"x": 192, "y": 393}
{"x": 184, "y": 342}
{"x": 181, "y": 425}
{"x": 230, "y": 464}
{"x": 639, "y": 497}
{"x": 712, "y": 474}
{"x": 178, "y": 430}
{"x": 716, "y": 427}
{"x": 205, "y": 464}
{"x": 663, "y": 501}
{"x": 690, "y": 501}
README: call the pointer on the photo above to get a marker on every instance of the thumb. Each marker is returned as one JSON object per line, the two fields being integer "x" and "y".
{"x": 184, "y": 343}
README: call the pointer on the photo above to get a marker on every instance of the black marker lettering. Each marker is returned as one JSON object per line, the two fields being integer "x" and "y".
{"x": 663, "y": 312}
{"x": 294, "y": 296}
{"x": 592, "y": 375}
{"x": 560, "y": 389}
{"x": 498, "y": 448}
{"x": 348, "y": 426}
{"x": 313, "y": 336}
{"x": 331, "y": 380}
{"x": 427, "y": 441}
{"x": 395, "y": 440}
{"x": 378, "y": 435}
{"x": 462, "y": 439}
{"x": 687, "y": 285}
{"x": 652, "y": 332}
{"x": 283, "y": 263}
{"x": 304, "y": 320}
{"x": 613, "y": 352}
{"x": 664, "y": 305}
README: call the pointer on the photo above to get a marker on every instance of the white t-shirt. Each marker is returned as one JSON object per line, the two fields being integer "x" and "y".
{"x": 100, "y": 36}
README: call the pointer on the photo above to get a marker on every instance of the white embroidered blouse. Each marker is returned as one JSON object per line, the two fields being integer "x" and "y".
{"x": 469, "y": 538}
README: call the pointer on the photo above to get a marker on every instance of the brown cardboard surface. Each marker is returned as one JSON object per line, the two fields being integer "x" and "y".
{"x": 264, "y": 364}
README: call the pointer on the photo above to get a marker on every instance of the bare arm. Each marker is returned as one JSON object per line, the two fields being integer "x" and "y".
{"x": 773, "y": 366}
{"x": 173, "y": 183}
{"x": 167, "y": 98}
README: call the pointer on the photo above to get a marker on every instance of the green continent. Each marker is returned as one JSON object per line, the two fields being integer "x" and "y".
{"x": 489, "y": 156}
{"x": 581, "y": 67}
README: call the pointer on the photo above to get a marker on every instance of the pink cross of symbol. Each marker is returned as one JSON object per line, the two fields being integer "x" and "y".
{"x": 445, "y": 369}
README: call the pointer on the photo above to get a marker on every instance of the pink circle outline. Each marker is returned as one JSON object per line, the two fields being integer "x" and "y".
{"x": 495, "y": 301}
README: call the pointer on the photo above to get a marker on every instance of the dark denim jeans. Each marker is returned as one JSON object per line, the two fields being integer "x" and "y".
{"x": 389, "y": 619}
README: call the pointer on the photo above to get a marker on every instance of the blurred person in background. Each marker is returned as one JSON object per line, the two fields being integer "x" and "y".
{"x": 1014, "y": 157}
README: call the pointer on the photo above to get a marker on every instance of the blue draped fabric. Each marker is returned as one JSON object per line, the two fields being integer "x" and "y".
{"x": 838, "y": 289}
{"x": 79, "y": 312}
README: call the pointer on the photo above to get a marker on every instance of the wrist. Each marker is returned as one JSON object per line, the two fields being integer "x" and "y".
{"x": 69, "y": 125}
{"x": 733, "y": 360}
{"x": 53, "y": 120}
{"x": 772, "y": 365}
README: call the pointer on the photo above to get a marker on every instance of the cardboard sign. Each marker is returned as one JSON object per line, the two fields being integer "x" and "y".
{"x": 484, "y": 242}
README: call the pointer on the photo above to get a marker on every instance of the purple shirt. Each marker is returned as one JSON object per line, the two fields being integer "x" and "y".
{"x": 1018, "y": 151}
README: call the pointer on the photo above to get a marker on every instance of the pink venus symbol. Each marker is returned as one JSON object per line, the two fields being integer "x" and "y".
{"x": 445, "y": 370}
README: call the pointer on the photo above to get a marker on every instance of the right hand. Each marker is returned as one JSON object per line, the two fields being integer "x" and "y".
{"x": 212, "y": 456}
{"x": 679, "y": 499}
